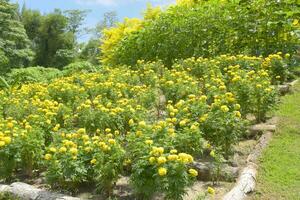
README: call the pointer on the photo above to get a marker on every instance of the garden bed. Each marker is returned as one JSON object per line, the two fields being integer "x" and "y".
{"x": 146, "y": 132}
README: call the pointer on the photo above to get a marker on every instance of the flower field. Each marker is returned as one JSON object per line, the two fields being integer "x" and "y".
{"x": 148, "y": 121}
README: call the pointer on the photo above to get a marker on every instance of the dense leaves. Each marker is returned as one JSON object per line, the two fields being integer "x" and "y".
{"x": 211, "y": 28}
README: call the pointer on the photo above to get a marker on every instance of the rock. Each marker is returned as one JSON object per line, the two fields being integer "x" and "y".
{"x": 284, "y": 89}
{"x": 229, "y": 173}
{"x": 244, "y": 186}
{"x": 205, "y": 171}
{"x": 294, "y": 82}
{"x": 261, "y": 128}
{"x": 193, "y": 192}
{"x": 273, "y": 121}
{"x": 4, "y": 188}
{"x": 28, "y": 192}
{"x": 24, "y": 191}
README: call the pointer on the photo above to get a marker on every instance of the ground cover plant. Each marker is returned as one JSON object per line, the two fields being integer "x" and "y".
{"x": 148, "y": 121}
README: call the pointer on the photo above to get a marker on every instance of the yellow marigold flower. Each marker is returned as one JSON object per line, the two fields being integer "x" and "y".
{"x": 107, "y": 130}
{"x": 2, "y": 143}
{"x": 74, "y": 150}
{"x": 112, "y": 141}
{"x": 222, "y": 87}
{"x": 224, "y": 108}
{"x": 203, "y": 118}
{"x": 93, "y": 161}
{"x": 193, "y": 172}
{"x": 52, "y": 149}
{"x": 162, "y": 171}
{"x": 142, "y": 123}
{"x": 173, "y": 151}
{"x": 110, "y": 135}
{"x": 277, "y": 77}
{"x": 172, "y": 157}
{"x": 48, "y": 157}
{"x": 237, "y": 106}
{"x": 149, "y": 142}
{"x": 10, "y": 125}
{"x": 258, "y": 85}
{"x": 87, "y": 149}
{"x": 81, "y": 131}
{"x": 7, "y": 140}
{"x": 62, "y": 149}
{"x": 211, "y": 190}
{"x": 139, "y": 133}
{"x": 160, "y": 150}
{"x": 185, "y": 158}
{"x": 56, "y": 128}
{"x": 237, "y": 114}
{"x": 212, "y": 154}
{"x": 152, "y": 160}
{"x": 295, "y": 22}
{"x": 131, "y": 122}
{"x": 194, "y": 127}
{"x": 182, "y": 122}
{"x": 85, "y": 137}
{"x": 117, "y": 132}
{"x": 161, "y": 160}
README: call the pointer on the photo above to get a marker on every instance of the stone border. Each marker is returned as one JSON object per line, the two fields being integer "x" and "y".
{"x": 247, "y": 180}
{"x": 287, "y": 87}
{"x": 29, "y": 192}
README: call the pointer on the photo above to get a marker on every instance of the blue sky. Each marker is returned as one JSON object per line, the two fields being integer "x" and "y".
{"x": 124, "y": 8}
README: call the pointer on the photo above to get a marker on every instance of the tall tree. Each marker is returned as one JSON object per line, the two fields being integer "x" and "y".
{"x": 75, "y": 20}
{"x": 14, "y": 43}
{"x": 54, "y": 41}
{"x": 91, "y": 50}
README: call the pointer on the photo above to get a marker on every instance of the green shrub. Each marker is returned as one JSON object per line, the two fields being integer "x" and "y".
{"x": 212, "y": 28}
{"x": 32, "y": 75}
{"x": 77, "y": 67}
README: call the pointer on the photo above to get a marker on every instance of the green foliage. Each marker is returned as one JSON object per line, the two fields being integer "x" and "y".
{"x": 163, "y": 173}
{"x": 7, "y": 196}
{"x": 79, "y": 67}
{"x": 211, "y": 28}
{"x": 14, "y": 43}
{"x": 53, "y": 35}
{"x": 32, "y": 75}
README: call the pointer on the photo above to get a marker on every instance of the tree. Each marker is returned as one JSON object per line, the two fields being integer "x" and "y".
{"x": 14, "y": 43}
{"x": 109, "y": 20}
{"x": 75, "y": 20}
{"x": 91, "y": 50}
{"x": 53, "y": 39}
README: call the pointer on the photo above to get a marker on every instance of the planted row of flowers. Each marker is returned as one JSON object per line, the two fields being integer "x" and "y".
{"x": 91, "y": 128}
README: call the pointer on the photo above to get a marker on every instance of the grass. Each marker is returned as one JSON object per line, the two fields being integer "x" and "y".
{"x": 279, "y": 173}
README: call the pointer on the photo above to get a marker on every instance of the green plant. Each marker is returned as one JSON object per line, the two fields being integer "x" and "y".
{"x": 162, "y": 172}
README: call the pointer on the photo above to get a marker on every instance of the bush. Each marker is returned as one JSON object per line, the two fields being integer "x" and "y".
{"x": 146, "y": 121}
{"x": 209, "y": 29}
{"x": 32, "y": 75}
{"x": 78, "y": 67}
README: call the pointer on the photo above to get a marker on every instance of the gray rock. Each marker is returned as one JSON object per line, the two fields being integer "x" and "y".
{"x": 261, "y": 128}
{"x": 4, "y": 188}
{"x": 24, "y": 191}
{"x": 205, "y": 171}
{"x": 284, "y": 89}
{"x": 29, "y": 192}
